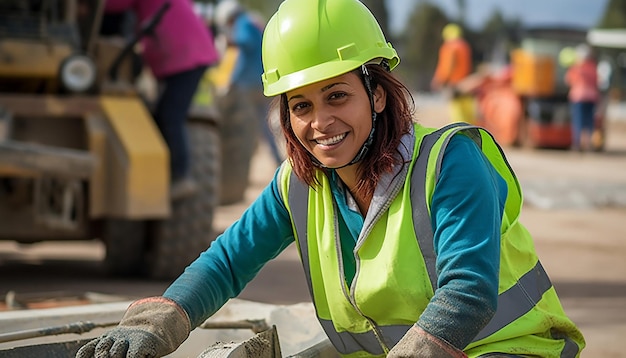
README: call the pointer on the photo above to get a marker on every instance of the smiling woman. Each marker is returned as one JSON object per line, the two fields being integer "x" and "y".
{"x": 409, "y": 236}
{"x": 332, "y": 118}
{"x": 334, "y": 123}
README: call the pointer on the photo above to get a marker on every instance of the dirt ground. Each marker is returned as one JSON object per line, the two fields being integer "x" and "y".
{"x": 576, "y": 211}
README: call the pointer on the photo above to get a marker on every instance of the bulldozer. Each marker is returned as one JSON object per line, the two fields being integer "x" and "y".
{"x": 80, "y": 155}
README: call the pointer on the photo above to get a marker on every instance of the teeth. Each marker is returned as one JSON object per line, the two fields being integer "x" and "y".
{"x": 332, "y": 140}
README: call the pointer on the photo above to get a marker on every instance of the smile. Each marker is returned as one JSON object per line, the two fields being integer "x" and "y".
{"x": 332, "y": 140}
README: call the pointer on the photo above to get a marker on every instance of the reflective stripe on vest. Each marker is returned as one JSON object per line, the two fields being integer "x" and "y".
{"x": 513, "y": 303}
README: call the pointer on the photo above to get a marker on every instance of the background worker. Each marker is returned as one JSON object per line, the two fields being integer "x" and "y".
{"x": 454, "y": 64}
{"x": 244, "y": 96}
{"x": 400, "y": 260}
{"x": 178, "y": 53}
{"x": 582, "y": 77}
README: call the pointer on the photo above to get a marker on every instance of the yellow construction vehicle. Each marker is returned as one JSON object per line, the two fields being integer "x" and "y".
{"x": 80, "y": 155}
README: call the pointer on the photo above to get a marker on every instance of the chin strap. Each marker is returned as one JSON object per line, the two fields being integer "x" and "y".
{"x": 370, "y": 137}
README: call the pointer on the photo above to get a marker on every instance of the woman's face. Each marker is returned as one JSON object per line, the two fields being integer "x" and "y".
{"x": 332, "y": 118}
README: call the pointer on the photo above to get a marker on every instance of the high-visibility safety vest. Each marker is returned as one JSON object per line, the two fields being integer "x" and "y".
{"x": 395, "y": 279}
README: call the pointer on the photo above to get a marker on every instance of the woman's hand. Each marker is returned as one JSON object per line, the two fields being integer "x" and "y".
{"x": 151, "y": 327}
{"x": 418, "y": 343}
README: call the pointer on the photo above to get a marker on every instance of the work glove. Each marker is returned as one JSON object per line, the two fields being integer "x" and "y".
{"x": 417, "y": 343}
{"x": 151, "y": 327}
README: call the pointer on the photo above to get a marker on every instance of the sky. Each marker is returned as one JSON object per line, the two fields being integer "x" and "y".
{"x": 583, "y": 13}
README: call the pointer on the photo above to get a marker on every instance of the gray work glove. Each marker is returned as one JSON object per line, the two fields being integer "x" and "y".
{"x": 417, "y": 343}
{"x": 151, "y": 327}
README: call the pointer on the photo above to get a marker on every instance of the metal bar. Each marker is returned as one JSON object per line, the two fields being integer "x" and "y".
{"x": 48, "y": 106}
{"x": 76, "y": 327}
{"x": 49, "y": 350}
{"x": 64, "y": 162}
{"x": 323, "y": 349}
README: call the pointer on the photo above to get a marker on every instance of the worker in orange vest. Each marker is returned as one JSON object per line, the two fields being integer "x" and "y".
{"x": 454, "y": 65}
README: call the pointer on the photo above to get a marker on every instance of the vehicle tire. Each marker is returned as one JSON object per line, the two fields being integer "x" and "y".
{"x": 174, "y": 243}
{"x": 238, "y": 133}
{"x": 125, "y": 242}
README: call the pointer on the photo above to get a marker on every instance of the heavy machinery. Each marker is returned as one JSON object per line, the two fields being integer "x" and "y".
{"x": 80, "y": 155}
{"x": 526, "y": 104}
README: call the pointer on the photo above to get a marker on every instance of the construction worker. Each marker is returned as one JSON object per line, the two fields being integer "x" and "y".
{"x": 583, "y": 95}
{"x": 245, "y": 32}
{"x": 178, "y": 54}
{"x": 453, "y": 66}
{"x": 409, "y": 236}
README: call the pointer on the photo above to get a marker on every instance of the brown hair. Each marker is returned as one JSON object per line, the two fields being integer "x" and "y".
{"x": 391, "y": 124}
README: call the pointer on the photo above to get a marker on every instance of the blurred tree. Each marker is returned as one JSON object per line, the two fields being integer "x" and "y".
{"x": 418, "y": 45}
{"x": 491, "y": 33}
{"x": 462, "y": 11}
{"x": 496, "y": 39}
{"x": 265, "y": 8}
{"x": 614, "y": 15}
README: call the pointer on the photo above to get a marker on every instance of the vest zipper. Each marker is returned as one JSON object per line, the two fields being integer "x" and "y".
{"x": 348, "y": 294}
{"x": 372, "y": 323}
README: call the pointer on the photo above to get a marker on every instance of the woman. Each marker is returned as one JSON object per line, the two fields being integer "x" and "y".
{"x": 178, "y": 54}
{"x": 582, "y": 77}
{"x": 244, "y": 31}
{"x": 409, "y": 237}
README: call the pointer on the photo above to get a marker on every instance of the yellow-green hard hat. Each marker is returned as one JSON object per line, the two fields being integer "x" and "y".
{"x": 567, "y": 56}
{"x": 307, "y": 41}
{"x": 451, "y": 32}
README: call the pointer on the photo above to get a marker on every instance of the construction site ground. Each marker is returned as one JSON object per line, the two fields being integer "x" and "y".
{"x": 575, "y": 208}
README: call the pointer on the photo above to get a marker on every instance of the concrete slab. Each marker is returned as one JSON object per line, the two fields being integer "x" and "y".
{"x": 296, "y": 324}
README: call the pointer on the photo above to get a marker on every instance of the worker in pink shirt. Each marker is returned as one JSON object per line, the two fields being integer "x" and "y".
{"x": 582, "y": 77}
{"x": 178, "y": 53}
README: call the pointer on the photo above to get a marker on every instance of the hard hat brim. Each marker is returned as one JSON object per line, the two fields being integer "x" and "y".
{"x": 323, "y": 71}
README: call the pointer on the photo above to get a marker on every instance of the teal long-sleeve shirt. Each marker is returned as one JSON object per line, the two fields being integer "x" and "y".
{"x": 466, "y": 214}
